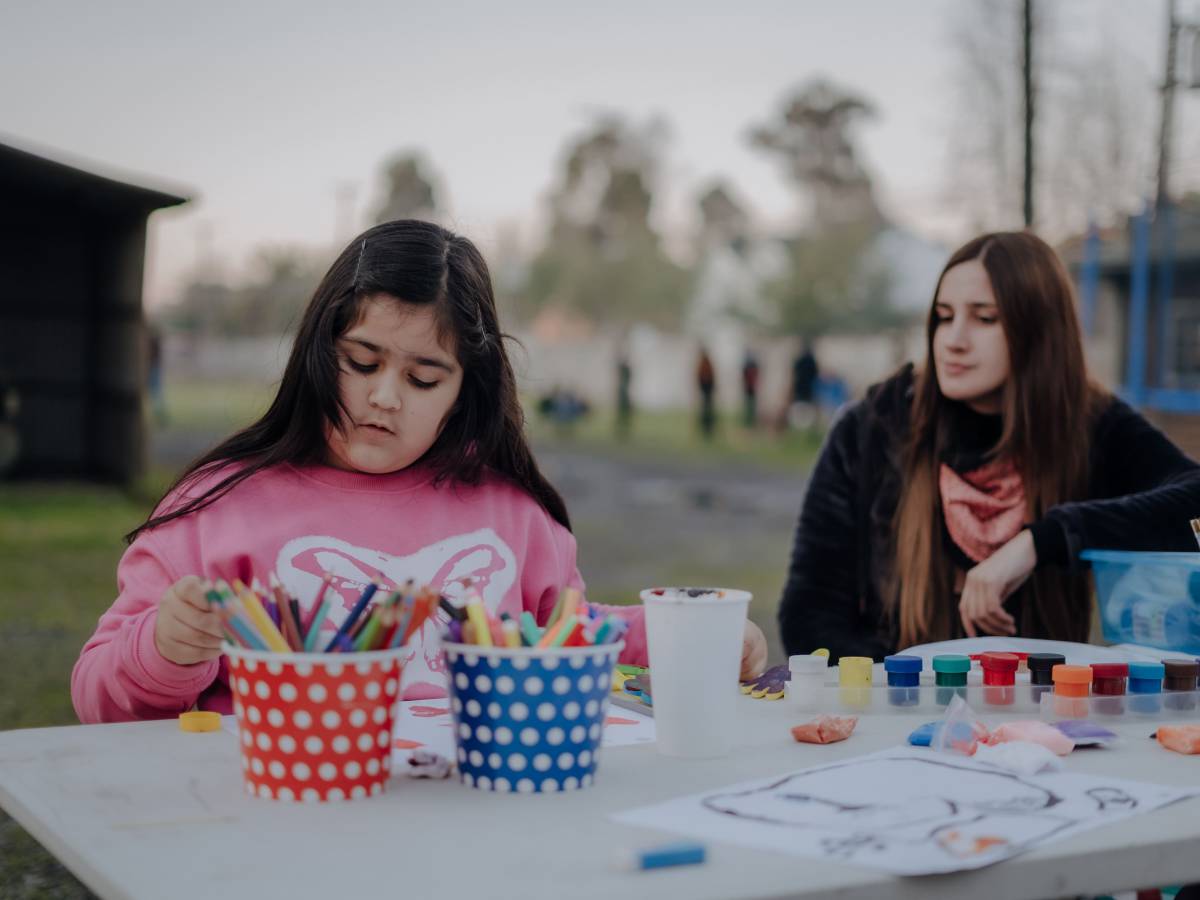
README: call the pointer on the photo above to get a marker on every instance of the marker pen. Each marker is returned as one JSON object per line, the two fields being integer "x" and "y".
{"x": 683, "y": 853}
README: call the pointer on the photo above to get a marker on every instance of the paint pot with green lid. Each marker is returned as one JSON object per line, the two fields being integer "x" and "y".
{"x": 950, "y": 675}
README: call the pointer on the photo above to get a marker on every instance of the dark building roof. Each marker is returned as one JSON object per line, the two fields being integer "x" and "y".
{"x": 28, "y": 175}
{"x": 1116, "y": 249}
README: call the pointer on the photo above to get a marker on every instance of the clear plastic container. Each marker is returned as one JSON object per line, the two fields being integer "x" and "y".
{"x": 1151, "y": 599}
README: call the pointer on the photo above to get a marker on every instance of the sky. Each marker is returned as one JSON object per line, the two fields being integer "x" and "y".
{"x": 264, "y": 113}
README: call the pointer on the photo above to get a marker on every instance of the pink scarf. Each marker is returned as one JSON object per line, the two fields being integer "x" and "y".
{"x": 983, "y": 509}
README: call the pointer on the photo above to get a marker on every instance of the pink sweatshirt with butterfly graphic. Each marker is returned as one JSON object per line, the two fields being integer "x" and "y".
{"x": 304, "y": 522}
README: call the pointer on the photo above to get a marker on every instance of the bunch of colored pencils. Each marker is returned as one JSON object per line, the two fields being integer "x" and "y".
{"x": 380, "y": 619}
{"x": 571, "y": 624}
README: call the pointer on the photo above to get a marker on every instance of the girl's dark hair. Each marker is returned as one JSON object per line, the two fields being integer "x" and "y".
{"x": 418, "y": 263}
{"x": 1049, "y": 405}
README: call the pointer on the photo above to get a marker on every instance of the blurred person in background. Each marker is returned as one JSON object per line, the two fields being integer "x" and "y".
{"x": 750, "y": 375}
{"x": 706, "y": 382}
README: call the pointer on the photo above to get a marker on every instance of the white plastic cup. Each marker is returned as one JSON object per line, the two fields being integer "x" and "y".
{"x": 694, "y": 636}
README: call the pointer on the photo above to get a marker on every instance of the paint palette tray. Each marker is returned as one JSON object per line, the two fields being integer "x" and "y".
{"x": 1162, "y": 706}
{"x": 922, "y": 699}
{"x": 1022, "y": 698}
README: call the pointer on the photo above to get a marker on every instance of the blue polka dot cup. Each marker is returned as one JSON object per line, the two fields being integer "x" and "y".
{"x": 528, "y": 719}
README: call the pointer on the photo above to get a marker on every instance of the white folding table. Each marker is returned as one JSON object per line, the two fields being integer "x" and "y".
{"x": 146, "y": 811}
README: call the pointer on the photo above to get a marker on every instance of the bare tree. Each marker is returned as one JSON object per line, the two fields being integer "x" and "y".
{"x": 1092, "y": 131}
{"x": 1100, "y": 145}
{"x": 602, "y": 257}
{"x": 985, "y": 157}
{"x": 408, "y": 191}
{"x": 814, "y": 137}
{"x": 723, "y": 219}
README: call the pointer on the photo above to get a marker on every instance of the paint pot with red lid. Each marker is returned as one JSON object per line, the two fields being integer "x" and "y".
{"x": 1108, "y": 687}
{"x": 999, "y": 678}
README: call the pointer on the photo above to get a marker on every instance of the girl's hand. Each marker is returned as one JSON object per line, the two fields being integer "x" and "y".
{"x": 187, "y": 631}
{"x": 754, "y": 652}
{"x": 991, "y": 582}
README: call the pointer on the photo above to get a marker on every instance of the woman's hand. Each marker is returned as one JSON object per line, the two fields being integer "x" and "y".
{"x": 187, "y": 631}
{"x": 990, "y": 583}
{"x": 754, "y": 652}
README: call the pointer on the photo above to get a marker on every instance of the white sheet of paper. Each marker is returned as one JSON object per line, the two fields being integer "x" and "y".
{"x": 623, "y": 727}
{"x": 1076, "y": 654}
{"x": 429, "y": 724}
{"x": 426, "y": 724}
{"x": 905, "y": 811}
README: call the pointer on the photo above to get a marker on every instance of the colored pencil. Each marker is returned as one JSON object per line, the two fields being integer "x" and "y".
{"x": 352, "y": 619}
{"x": 316, "y": 605}
{"x": 266, "y": 628}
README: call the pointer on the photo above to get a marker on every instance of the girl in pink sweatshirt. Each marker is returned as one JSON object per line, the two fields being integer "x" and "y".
{"x": 394, "y": 445}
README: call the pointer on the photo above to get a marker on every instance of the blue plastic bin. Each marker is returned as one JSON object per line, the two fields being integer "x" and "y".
{"x": 1151, "y": 599}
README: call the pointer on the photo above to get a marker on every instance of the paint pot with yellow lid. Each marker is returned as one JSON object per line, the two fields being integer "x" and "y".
{"x": 854, "y": 681}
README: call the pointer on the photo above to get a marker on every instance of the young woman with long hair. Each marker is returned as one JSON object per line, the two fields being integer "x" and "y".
{"x": 954, "y": 499}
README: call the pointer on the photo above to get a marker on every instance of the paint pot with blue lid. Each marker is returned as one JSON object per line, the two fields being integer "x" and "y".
{"x": 904, "y": 679}
{"x": 1145, "y": 687}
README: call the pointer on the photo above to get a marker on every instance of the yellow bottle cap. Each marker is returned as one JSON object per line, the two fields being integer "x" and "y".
{"x": 197, "y": 721}
{"x": 820, "y": 652}
{"x": 854, "y": 671}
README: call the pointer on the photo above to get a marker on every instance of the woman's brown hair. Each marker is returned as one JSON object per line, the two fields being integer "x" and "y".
{"x": 1048, "y": 407}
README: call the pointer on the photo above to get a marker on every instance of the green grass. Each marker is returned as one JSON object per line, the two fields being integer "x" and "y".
{"x": 669, "y": 435}
{"x": 672, "y": 435}
{"x": 218, "y": 405}
{"x": 59, "y": 547}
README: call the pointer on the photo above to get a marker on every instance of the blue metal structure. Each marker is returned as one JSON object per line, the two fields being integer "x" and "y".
{"x": 1139, "y": 301}
{"x": 1089, "y": 277}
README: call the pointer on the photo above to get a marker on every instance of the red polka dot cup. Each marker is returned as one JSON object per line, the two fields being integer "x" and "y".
{"x": 315, "y": 727}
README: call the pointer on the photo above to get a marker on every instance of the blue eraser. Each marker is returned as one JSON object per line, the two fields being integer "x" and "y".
{"x": 684, "y": 853}
{"x": 922, "y": 735}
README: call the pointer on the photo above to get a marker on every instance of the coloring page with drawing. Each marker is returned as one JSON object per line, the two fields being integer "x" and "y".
{"x": 905, "y": 811}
